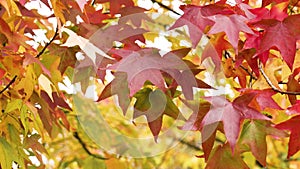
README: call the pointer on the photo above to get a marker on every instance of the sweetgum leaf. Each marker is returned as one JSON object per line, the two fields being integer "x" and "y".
{"x": 293, "y": 126}
{"x": 148, "y": 64}
{"x": 154, "y": 104}
{"x": 281, "y": 35}
{"x": 118, "y": 86}
{"x": 254, "y": 135}
{"x": 222, "y": 157}
{"x": 66, "y": 54}
{"x": 195, "y": 21}
{"x": 262, "y": 98}
{"x": 208, "y": 133}
{"x": 232, "y": 25}
{"x": 231, "y": 114}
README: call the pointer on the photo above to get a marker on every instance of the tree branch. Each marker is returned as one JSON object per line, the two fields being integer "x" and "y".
{"x": 166, "y": 7}
{"x": 47, "y": 44}
{"x": 227, "y": 55}
{"x": 9, "y": 84}
{"x": 272, "y": 85}
{"x": 84, "y": 146}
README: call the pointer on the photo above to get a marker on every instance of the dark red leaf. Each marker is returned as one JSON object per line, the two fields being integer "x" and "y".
{"x": 293, "y": 126}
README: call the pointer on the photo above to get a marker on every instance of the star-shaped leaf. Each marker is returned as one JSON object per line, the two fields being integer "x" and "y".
{"x": 232, "y": 25}
{"x": 118, "y": 86}
{"x": 154, "y": 104}
{"x": 221, "y": 157}
{"x": 254, "y": 135}
{"x": 281, "y": 35}
{"x": 195, "y": 22}
{"x": 147, "y": 64}
{"x": 231, "y": 114}
{"x": 293, "y": 126}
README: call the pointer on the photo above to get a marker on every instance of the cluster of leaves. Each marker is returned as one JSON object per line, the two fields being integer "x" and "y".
{"x": 251, "y": 46}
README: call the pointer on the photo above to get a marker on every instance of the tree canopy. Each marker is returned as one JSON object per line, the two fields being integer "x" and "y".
{"x": 149, "y": 84}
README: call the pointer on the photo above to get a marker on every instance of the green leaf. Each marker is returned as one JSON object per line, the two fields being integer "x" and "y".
{"x": 14, "y": 135}
{"x": 24, "y": 119}
{"x": 13, "y": 105}
{"x": 7, "y": 154}
{"x": 254, "y": 135}
{"x": 221, "y": 158}
{"x": 154, "y": 104}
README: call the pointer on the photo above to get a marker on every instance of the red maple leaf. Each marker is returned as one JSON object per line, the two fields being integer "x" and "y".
{"x": 293, "y": 126}
{"x": 278, "y": 12}
{"x": 104, "y": 39}
{"x": 232, "y": 25}
{"x": 281, "y": 35}
{"x": 231, "y": 114}
{"x": 195, "y": 21}
{"x": 147, "y": 64}
{"x": 253, "y": 42}
{"x": 262, "y": 98}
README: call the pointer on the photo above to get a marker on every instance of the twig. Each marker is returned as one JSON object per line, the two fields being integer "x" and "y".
{"x": 227, "y": 55}
{"x": 190, "y": 145}
{"x": 75, "y": 134}
{"x": 9, "y": 84}
{"x": 166, "y": 7}
{"x": 281, "y": 82}
{"x": 93, "y": 2}
{"x": 47, "y": 44}
{"x": 272, "y": 85}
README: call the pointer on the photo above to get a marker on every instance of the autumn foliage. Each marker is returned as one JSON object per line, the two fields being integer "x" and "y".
{"x": 133, "y": 83}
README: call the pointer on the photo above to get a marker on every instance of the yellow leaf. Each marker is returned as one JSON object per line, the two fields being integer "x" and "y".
{"x": 58, "y": 8}
{"x": 113, "y": 163}
{"x": 7, "y": 154}
{"x": 10, "y": 7}
{"x": 27, "y": 83}
{"x": 45, "y": 83}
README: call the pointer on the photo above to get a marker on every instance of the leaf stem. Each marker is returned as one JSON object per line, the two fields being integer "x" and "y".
{"x": 84, "y": 146}
{"x": 9, "y": 84}
{"x": 166, "y": 7}
{"x": 272, "y": 85}
{"x": 47, "y": 44}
